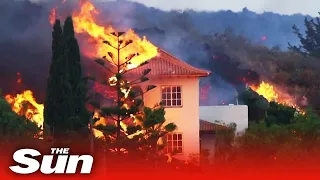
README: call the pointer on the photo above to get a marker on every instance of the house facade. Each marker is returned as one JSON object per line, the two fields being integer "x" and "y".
{"x": 178, "y": 89}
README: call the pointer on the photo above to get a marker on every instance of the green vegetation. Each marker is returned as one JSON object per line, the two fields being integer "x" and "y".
{"x": 278, "y": 133}
{"x": 13, "y": 126}
{"x": 64, "y": 108}
{"x": 294, "y": 70}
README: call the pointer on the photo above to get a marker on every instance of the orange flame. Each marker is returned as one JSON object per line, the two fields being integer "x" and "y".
{"x": 53, "y": 15}
{"x": 25, "y": 104}
{"x": 85, "y": 22}
{"x": 269, "y": 92}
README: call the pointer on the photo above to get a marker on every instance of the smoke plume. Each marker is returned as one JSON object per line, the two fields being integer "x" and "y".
{"x": 25, "y": 37}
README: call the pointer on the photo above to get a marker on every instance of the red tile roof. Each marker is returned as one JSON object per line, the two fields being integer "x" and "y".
{"x": 209, "y": 126}
{"x": 167, "y": 65}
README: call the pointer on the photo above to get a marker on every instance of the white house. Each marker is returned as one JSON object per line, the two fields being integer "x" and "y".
{"x": 178, "y": 89}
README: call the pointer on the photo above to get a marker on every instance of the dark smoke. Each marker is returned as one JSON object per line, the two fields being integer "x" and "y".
{"x": 25, "y": 38}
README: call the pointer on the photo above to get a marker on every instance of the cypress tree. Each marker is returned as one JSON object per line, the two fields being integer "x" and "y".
{"x": 77, "y": 85}
{"x": 66, "y": 89}
{"x": 51, "y": 104}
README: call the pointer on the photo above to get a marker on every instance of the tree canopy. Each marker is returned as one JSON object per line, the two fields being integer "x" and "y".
{"x": 128, "y": 126}
{"x": 310, "y": 43}
{"x": 64, "y": 108}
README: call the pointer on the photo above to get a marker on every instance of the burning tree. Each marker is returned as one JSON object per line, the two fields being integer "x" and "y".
{"x": 129, "y": 127}
{"x": 14, "y": 126}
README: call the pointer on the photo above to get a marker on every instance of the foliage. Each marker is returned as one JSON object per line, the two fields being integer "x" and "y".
{"x": 64, "y": 107}
{"x": 224, "y": 143}
{"x": 296, "y": 74}
{"x": 257, "y": 105}
{"x": 51, "y": 105}
{"x": 77, "y": 82}
{"x": 128, "y": 125}
{"x": 13, "y": 126}
{"x": 310, "y": 44}
{"x": 295, "y": 142}
{"x": 280, "y": 114}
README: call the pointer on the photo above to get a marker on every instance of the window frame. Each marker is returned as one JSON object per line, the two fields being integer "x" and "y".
{"x": 173, "y": 147}
{"x": 171, "y": 86}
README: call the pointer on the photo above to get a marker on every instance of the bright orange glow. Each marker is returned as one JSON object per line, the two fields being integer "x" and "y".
{"x": 269, "y": 92}
{"x": 25, "y": 104}
{"x": 53, "y": 15}
{"x": 86, "y": 23}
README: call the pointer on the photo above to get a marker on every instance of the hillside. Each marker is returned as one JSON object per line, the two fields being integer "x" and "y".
{"x": 239, "y": 39}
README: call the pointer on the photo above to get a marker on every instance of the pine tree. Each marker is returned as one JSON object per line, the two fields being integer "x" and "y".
{"x": 136, "y": 128}
{"x": 310, "y": 44}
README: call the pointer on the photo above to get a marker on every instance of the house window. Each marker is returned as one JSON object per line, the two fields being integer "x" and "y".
{"x": 174, "y": 142}
{"x": 171, "y": 96}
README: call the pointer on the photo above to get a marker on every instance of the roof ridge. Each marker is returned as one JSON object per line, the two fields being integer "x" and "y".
{"x": 164, "y": 63}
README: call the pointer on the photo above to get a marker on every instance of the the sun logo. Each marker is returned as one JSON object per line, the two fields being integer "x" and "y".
{"x": 65, "y": 163}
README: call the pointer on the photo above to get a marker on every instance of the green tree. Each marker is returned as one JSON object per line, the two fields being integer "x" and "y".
{"x": 13, "y": 126}
{"x": 77, "y": 84}
{"x": 310, "y": 44}
{"x": 64, "y": 107}
{"x": 298, "y": 141}
{"x": 257, "y": 105}
{"x": 280, "y": 114}
{"x": 310, "y": 49}
{"x": 52, "y": 107}
{"x": 133, "y": 127}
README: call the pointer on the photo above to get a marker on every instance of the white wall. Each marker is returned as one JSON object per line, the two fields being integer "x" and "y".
{"x": 186, "y": 117}
{"x": 227, "y": 113}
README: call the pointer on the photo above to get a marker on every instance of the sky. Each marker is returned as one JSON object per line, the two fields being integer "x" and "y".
{"x": 306, "y": 7}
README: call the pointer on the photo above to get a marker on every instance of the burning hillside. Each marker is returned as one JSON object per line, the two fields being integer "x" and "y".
{"x": 91, "y": 33}
{"x": 271, "y": 93}
{"x": 92, "y": 39}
